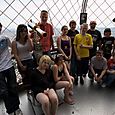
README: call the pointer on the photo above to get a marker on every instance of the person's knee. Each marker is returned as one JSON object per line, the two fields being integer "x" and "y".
{"x": 67, "y": 84}
{"x": 45, "y": 103}
{"x": 54, "y": 99}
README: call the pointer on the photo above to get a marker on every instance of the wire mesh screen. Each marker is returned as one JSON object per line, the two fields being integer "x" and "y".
{"x": 14, "y": 12}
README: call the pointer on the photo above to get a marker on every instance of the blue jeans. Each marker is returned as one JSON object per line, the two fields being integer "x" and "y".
{"x": 8, "y": 90}
{"x": 109, "y": 79}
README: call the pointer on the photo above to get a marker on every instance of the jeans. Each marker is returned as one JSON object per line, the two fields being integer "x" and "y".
{"x": 109, "y": 79}
{"x": 82, "y": 66}
{"x": 73, "y": 65}
{"x": 8, "y": 90}
{"x": 26, "y": 74}
{"x": 97, "y": 71}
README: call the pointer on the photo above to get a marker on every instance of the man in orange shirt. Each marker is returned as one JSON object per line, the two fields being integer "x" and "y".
{"x": 46, "y": 42}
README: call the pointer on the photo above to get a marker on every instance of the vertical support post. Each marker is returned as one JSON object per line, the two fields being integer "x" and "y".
{"x": 83, "y": 14}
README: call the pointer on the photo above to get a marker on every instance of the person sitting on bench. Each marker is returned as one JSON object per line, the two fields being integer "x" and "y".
{"x": 63, "y": 79}
{"x": 42, "y": 86}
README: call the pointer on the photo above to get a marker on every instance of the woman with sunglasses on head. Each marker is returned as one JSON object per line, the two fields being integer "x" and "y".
{"x": 63, "y": 79}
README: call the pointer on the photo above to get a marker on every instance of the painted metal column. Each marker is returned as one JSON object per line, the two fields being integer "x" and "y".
{"x": 83, "y": 14}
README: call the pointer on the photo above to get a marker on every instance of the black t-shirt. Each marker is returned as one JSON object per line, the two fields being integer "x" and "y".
{"x": 40, "y": 82}
{"x": 96, "y": 35}
{"x": 72, "y": 34}
{"x": 107, "y": 44}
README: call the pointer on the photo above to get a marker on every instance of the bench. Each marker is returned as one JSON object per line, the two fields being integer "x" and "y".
{"x": 36, "y": 105}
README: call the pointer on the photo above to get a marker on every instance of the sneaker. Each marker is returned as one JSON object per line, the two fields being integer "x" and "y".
{"x": 11, "y": 113}
{"x": 18, "y": 112}
{"x": 76, "y": 80}
{"x": 103, "y": 85}
{"x": 81, "y": 81}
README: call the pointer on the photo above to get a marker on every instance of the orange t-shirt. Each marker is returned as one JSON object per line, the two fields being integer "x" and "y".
{"x": 46, "y": 41}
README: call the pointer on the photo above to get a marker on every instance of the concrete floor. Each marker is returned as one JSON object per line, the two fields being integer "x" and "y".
{"x": 90, "y": 100}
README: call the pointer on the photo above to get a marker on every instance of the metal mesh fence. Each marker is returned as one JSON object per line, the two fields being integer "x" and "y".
{"x": 14, "y": 12}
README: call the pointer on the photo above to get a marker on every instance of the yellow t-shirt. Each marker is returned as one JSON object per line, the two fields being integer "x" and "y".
{"x": 84, "y": 40}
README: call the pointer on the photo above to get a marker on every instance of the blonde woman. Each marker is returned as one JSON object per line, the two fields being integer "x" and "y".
{"x": 42, "y": 86}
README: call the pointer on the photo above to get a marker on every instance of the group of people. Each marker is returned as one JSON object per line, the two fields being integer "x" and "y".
{"x": 93, "y": 54}
{"x": 37, "y": 70}
{"x": 79, "y": 53}
{"x": 87, "y": 52}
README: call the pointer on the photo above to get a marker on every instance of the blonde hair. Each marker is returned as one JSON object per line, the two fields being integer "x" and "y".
{"x": 84, "y": 25}
{"x": 44, "y": 58}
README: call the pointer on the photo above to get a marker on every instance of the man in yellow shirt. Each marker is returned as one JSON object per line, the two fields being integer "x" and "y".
{"x": 82, "y": 43}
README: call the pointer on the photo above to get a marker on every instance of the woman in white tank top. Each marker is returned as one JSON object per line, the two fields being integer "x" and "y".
{"x": 22, "y": 48}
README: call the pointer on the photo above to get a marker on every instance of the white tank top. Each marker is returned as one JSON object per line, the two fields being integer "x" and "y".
{"x": 23, "y": 51}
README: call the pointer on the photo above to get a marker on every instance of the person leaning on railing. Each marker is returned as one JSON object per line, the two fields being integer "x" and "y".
{"x": 22, "y": 48}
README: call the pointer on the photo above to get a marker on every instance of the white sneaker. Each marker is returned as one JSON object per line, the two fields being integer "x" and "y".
{"x": 103, "y": 85}
{"x": 18, "y": 112}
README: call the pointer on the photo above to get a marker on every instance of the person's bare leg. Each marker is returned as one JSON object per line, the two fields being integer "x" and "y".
{"x": 65, "y": 85}
{"x": 44, "y": 101}
{"x": 71, "y": 89}
{"x": 54, "y": 101}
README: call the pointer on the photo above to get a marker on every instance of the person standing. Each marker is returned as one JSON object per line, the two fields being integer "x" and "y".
{"x": 82, "y": 43}
{"x": 37, "y": 47}
{"x": 8, "y": 85}
{"x": 97, "y": 37}
{"x": 22, "y": 49}
{"x": 64, "y": 45}
{"x": 108, "y": 43}
{"x": 71, "y": 33}
{"x": 46, "y": 42}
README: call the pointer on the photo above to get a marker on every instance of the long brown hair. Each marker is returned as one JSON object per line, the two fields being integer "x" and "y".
{"x": 20, "y": 29}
